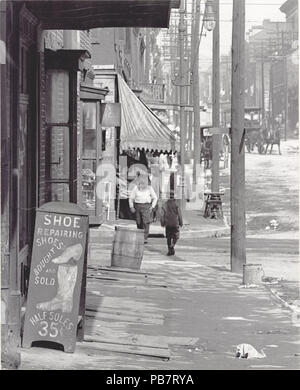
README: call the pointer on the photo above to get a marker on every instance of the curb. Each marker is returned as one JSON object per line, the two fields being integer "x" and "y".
{"x": 220, "y": 232}
{"x": 282, "y": 302}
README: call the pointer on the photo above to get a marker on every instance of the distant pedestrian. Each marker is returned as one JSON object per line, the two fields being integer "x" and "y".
{"x": 142, "y": 201}
{"x": 171, "y": 218}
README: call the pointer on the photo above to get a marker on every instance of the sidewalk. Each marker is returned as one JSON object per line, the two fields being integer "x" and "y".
{"x": 195, "y": 226}
{"x": 175, "y": 313}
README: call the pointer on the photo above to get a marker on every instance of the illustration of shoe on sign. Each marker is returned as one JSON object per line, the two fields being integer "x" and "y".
{"x": 66, "y": 278}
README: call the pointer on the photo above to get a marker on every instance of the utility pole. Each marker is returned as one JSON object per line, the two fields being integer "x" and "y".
{"x": 216, "y": 138}
{"x": 186, "y": 75}
{"x": 238, "y": 227}
{"x": 262, "y": 81}
{"x": 285, "y": 85}
{"x": 192, "y": 52}
{"x": 272, "y": 96}
{"x": 181, "y": 31}
{"x": 196, "y": 98}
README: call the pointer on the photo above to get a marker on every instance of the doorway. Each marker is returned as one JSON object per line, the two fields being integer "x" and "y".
{"x": 90, "y": 159}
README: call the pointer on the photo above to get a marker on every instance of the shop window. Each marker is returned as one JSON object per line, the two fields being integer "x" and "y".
{"x": 89, "y": 154}
{"x": 59, "y": 154}
{"x": 58, "y": 135}
{"x": 90, "y": 144}
{"x": 57, "y": 100}
{"x": 60, "y": 192}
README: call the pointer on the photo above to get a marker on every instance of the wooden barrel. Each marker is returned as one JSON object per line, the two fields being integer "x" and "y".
{"x": 128, "y": 247}
{"x": 252, "y": 274}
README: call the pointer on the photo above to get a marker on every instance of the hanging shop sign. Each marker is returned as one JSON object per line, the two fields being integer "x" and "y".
{"x": 57, "y": 284}
{"x": 217, "y": 130}
{"x": 110, "y": 115}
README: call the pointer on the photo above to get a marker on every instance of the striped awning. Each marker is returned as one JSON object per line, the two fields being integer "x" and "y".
{"x": 140, "y": 127}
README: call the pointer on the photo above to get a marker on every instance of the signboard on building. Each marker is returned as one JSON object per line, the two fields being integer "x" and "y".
{"x": 110, "y": 115}
{"x": 56, "y": 291}
{"x": 106, "y": 81}
{"x": 218, "y": 130}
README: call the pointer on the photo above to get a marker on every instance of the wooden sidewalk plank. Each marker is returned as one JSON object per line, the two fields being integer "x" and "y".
{"x": 123, "y": 318}
{"x": 121, "y": 311}
{"x": 112, "y": 335}
{"x": 145, "y": 281}
{"x": 134, "y": 339}
{"x": 134, "y": 307}
{"x": 126, "y": 276}
{"x": 125, "y": 271}
{"x": 163, "y": 353}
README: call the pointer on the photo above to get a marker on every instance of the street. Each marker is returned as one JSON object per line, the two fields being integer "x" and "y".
{"x": 143, "y": 223}
{"x": 271, "y": 190}
{"x": 271, "y": 195}
{"x": 191, "y": 307}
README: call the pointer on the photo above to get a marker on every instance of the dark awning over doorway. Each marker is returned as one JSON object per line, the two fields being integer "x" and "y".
{"x": 88, "y": 14}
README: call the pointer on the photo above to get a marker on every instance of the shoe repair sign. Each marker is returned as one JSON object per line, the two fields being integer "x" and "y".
{"x": 57, "y": 275}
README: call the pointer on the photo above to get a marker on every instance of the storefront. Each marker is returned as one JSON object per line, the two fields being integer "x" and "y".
{"x": 106, "y": 77}
{"x": 40, "y": 159}
{"x": 134, "y": 139}
{"x": 146, "y": 145}
{"x": 90, "y": 153}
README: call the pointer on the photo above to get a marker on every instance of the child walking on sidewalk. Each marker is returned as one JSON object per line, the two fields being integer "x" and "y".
{"x": 171, "y": 218}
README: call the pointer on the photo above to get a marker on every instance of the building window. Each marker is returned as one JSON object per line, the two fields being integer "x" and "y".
{"x": 58, "y": 135}
{"x": 89, "y": 154}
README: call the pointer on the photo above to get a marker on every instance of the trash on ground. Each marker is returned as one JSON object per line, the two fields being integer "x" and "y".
{"x": 252, "y": 285}
{"x": 274, "y": 224}
{"x": 235, "y": 318}
{"x": 296, "y": 319}
{"x": 246, "y": 351}
{"x": 269, "y": 280}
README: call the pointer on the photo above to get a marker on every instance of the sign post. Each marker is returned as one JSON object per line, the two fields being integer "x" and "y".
{"x": 56, "y": 294}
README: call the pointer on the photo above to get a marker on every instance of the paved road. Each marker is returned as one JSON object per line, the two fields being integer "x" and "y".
{"x": 272, "y": 189}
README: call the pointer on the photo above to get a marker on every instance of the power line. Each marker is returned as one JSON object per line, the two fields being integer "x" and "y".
{"x": 248, "y": 4}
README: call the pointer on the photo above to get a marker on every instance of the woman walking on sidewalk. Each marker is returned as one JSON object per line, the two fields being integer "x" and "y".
{"x": 142, "y": 201}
